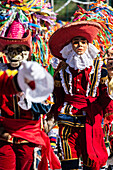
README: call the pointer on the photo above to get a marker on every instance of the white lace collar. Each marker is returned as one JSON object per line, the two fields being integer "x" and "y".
{"x": 79, "y": 61}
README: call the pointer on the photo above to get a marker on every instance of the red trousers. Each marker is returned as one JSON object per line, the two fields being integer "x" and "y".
{"x": 73, "y": 142}
{"x": 16, "y": 156}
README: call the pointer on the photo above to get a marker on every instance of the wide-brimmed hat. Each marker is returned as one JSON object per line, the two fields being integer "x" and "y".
{"x": 64, "y": 35}
{"x": 16, "y": 34}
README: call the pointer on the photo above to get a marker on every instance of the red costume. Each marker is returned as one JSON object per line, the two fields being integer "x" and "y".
{"x": 8, "y": 81}
{"x": 19, "y": 132}
{"x": 80, "y": 97}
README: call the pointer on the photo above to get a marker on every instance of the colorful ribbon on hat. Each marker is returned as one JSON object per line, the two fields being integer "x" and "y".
{"x": 99, "y": 12}
{"x": 36, "y": 15}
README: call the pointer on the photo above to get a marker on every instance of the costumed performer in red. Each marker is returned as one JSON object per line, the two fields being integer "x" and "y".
{"x": 80, "y": 95}
{"x": 19, "y": 133}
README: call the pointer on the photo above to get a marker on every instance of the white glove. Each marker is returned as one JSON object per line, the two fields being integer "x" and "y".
{"x": 44, "y": 82}
{"x": 55, "y": 62}
{"x": 24, "y": 103}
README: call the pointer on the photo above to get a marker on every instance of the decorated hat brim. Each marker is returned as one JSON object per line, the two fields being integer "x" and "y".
{"x": 4, "y": 41}
{"x": 64, "y": 35}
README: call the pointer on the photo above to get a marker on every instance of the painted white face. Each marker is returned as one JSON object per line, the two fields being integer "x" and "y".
{"x": 79, "y": 45}
{"x": 16, "y": 54}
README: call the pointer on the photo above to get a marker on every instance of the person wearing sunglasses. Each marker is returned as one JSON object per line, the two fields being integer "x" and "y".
{"x": 80, "y": 95}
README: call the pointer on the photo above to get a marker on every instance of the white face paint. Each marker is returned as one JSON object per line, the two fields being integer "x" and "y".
{"x": 16, "y": 53}
{"x": 79, "y": 45}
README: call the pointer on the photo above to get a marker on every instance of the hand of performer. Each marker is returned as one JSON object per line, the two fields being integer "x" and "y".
{"x": 4, "y": 135}
{"x": 49, "y": 124}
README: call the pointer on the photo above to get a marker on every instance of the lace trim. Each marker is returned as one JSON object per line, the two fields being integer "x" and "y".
{"x": 79, "y": 61}
{"x": 63, "y": 81}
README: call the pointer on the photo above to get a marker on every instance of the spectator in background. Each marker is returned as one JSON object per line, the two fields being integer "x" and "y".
{"x": 108, "y": 113}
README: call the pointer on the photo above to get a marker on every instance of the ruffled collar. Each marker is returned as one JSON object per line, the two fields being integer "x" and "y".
{"x": 79, "y": 61}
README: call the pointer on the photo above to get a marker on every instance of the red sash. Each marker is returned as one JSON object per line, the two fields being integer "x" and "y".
{"x": 30, "y": 131}
{"x": 79, "y": 101}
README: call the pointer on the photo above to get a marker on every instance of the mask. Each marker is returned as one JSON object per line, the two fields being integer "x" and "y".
{"x": 16, "y": 53}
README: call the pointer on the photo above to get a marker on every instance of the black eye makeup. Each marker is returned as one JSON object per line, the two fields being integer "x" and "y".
{"x": 18, "y": 49}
